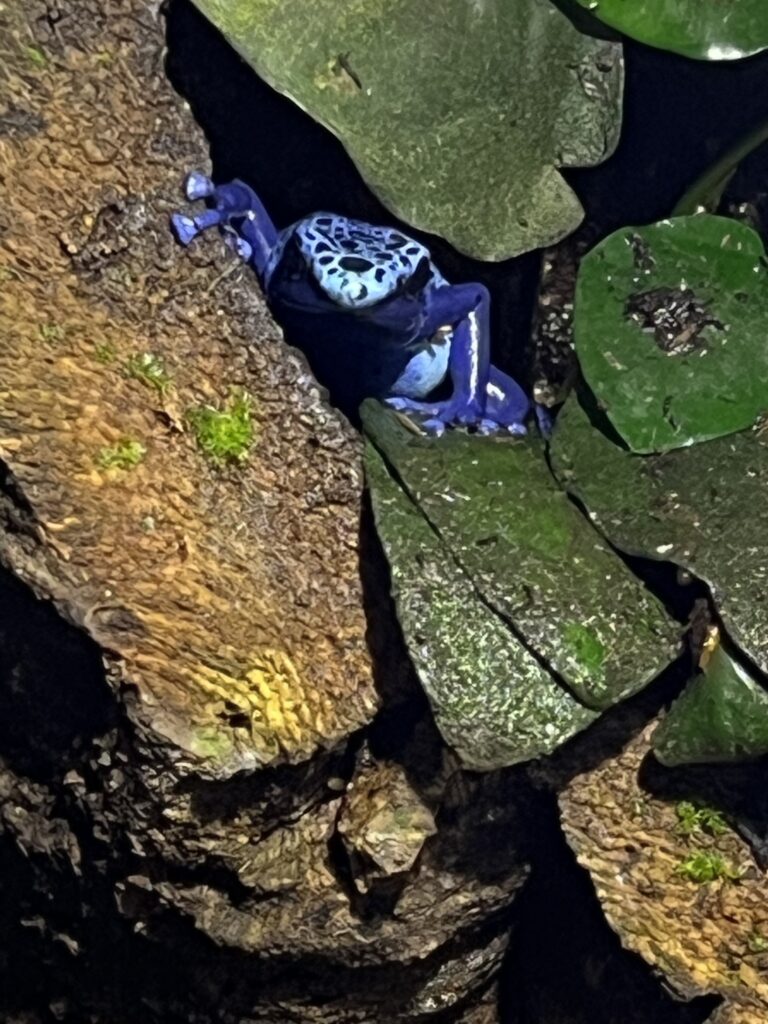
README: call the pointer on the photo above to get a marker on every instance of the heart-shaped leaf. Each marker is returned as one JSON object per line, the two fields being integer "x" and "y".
{"x": 708, "y": 29}
{"x": 457, "y": 114}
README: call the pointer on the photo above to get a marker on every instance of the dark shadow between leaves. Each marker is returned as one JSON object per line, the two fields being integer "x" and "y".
{"x": 610, "y": 734}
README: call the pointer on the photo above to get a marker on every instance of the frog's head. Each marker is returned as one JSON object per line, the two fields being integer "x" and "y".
{"x": 358, "y": 265}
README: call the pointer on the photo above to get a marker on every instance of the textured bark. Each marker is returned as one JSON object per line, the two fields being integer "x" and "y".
{"x": 190, "y": 823}
{"x": 704, "y": 937}
{"x": 209, "y": 589}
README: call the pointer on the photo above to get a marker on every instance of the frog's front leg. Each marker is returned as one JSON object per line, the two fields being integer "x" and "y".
{"x": 254, "y": 234}
{"x": 466, "y": 309}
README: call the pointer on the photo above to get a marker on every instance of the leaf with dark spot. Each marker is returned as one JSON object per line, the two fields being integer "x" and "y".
{"x": 673, "y": 317}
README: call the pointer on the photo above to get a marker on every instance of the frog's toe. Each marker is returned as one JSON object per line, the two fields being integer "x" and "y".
{"x": 406, "y": 404}
{"x": 487, "y": 427}
{"x": 198, "y": 186}
{"x": 238, "y": 245}
{"x": 458, "y": 412}
{"x": 184, "y": 228}
{"x": 433, "y": 426}
{"x": 453, "y": 412}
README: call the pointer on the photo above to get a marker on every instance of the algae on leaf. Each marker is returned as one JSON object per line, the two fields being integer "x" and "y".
{"x": 722, "y": 715}
{"x": 493, "y": 702}
{"x": 670, "y": 324}
{"x": 458, "y": 115}
{"x": 702, "y": 507}
{"x": 532, "y": 558}
{"x": 707, "y": 29}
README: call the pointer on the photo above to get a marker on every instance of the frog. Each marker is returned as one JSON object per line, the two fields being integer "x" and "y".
{"x": 369, "y": 302}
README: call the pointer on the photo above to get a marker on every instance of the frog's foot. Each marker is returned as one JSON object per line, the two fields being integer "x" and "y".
{"x": 186, "y": 228}
{"x": 488, "y": 427}
{"x": 439, "y": 415}
{"x": 506, "y": 406}
{"x": 238, "y": 245}
{"x": 198, "y": 186}
{"x": 237, "y": 210}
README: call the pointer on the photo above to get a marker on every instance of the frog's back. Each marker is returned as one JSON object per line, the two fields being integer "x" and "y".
{"x": 356, "y": 264}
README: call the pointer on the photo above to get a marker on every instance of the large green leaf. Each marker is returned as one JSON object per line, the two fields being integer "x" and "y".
{"x": 670, "y": 325}
{"x": 493, "y": 702}
{"x": 457, "y": 114}
{"x": 722, "y": 715}
{"x": 702, "y": 507}
{"x": 532, "y": 557}
{"x": 708, "y": 29}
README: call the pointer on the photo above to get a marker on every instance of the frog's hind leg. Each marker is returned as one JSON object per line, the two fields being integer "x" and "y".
{"x": 466, "y": 309}
{"x": 234, "y": 206}
{"x": 506, "y": 406}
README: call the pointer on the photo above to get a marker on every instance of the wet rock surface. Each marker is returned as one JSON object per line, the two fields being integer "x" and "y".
{"x": 204, "y": 584}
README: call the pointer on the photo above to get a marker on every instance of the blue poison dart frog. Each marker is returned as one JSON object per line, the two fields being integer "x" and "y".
{"x": 352, "y": 295}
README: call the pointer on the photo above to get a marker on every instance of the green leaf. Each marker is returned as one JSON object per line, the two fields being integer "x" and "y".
{"x": 722, "y": 715}
{"x": 532, "y": 557}
{"x": 670, "y": 325}
{"x": 703, "y": 508}
{"x": 458, "y": 115}
{"x": 492, "y": 700}
{"x": 707, "y": 29}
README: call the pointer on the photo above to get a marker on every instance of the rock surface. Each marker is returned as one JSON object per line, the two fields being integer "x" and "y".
{"x": 208, "y": 588}
{"x": 622, "y": 819}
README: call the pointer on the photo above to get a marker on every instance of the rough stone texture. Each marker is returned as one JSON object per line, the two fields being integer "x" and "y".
{"x": 620, "y": 819}
{"x": 554, "y": 360}
{"x": 384, "y": 823}
{"x": 229, "y": 601}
